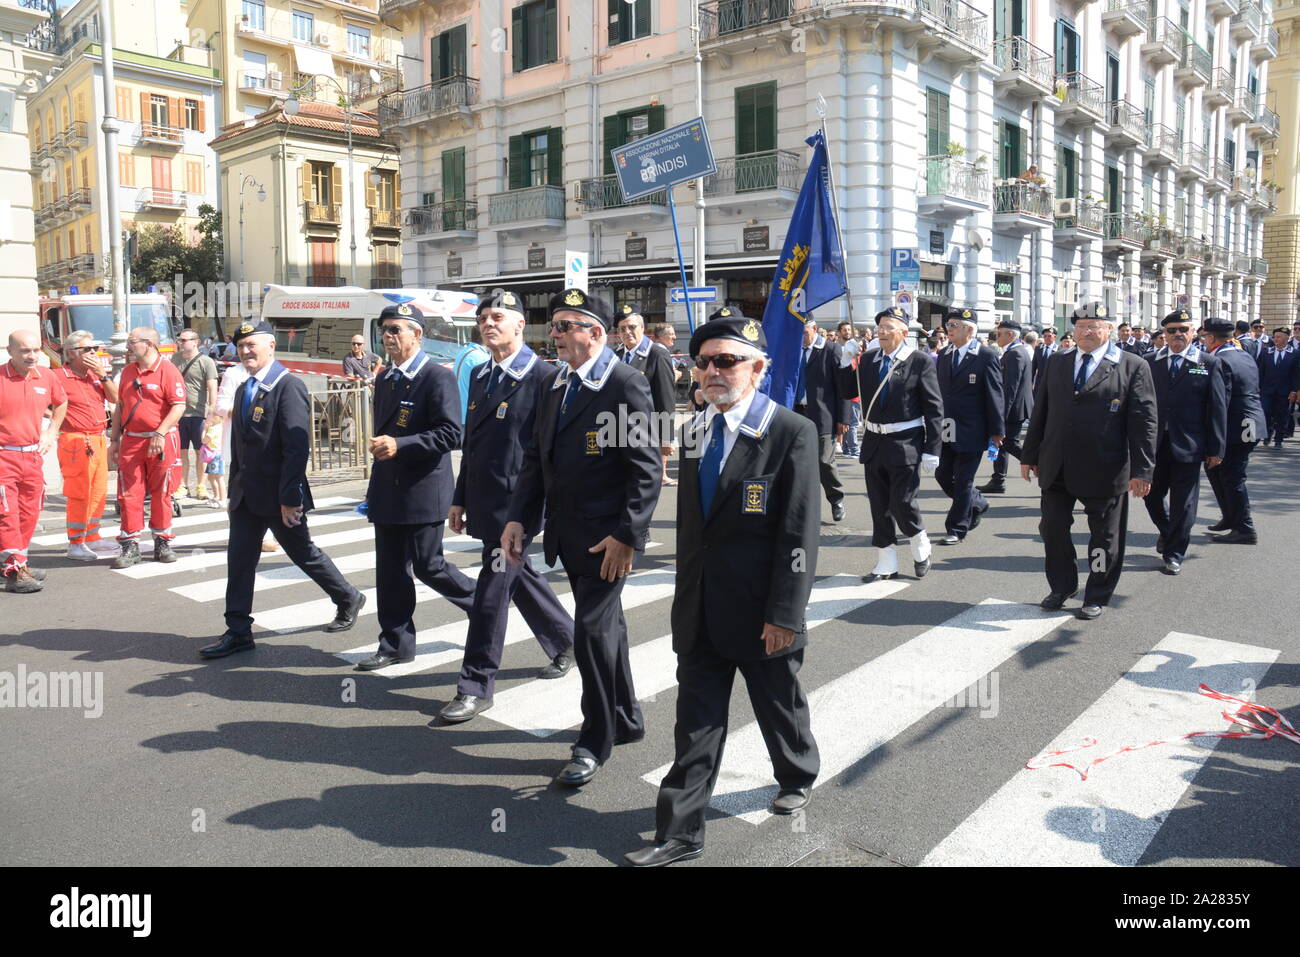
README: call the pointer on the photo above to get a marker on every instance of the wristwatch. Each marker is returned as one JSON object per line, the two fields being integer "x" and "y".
{"x": 161, "y": 435}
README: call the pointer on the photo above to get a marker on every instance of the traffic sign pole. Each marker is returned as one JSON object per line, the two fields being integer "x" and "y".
{"x": 681, "y": 264}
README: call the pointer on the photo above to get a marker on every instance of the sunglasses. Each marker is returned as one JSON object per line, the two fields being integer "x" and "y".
{"x": 722, "y": 360}
{"x": 1178, "y": 330}
{"x": 564, "y": 325}
{"x": 391, "y": 331}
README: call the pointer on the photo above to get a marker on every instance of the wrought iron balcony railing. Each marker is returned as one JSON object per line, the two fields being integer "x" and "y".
{"x": 755, "y": 172}
{"x": 602, "y": 192}
{"x": 428, "y": 101}
{"x": 454, "y": 215}
{"x": 719, "y": 18}
{"x": 1017, "y": 196}
{"x": 526, "y": 205}
{"x": 1081, "y": 91}
{"x": 328, "y": 213}
{"x": 1018, "y": 55}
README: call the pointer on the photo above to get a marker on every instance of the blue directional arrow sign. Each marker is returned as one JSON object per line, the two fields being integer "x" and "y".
{"x": 693, "y": 294}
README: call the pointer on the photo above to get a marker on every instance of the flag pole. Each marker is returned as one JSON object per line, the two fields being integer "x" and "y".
{"x": 835, "y": 202}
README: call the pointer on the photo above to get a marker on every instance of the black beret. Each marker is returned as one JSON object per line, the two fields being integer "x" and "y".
{"x": 501, "y": 299}
{"x": 405, "y": 311}
{"x": 735, "y": 327}
{"x": 1010, "y": 324}
{"x": 1243, "y": 325}
{"x": 1282, "y": 329}
{"x": 627, "y": 310}
{"x": 893, "y": 312}
{"x": 1089, "y": 310}
{"x": 1181, "y": 315}
{"x": 1219, "y": 326}
{"x": 964, "y": 314}
{"x": 252, "y": 329}
{"x": 576, "y": 300}
{"x": 1257, "y": 322}
{"x": 727, "y": 312}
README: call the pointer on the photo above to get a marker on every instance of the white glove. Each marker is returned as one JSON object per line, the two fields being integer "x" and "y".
{"x": 929, "y": 463}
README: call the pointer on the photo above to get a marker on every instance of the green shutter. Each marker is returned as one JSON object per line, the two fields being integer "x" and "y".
{"x": 744, "y": 120}
{"x": 936, "y": 123}
{"x": 613, "y": 136}
{"x": 453, "y": 174}
{"x": 615, "y": 20}
{"x": 518, "y": 43}
{"x": 552, "y": 34}
{"x": 518, "y": 171}
{"x": 765, "y": 117}
{"x": 1022, "y": 151}
{"x": 657, "y": 118}
{"x": 457, "y": 63}
{"x": 435, "y": 59}
{"x": 555, "y": 156}
{"x": 642, "y": 18}
{"x": 1004, "y": 148}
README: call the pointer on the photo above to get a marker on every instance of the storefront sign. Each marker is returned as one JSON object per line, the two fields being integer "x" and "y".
{"x": 635, "y": 249}
{"x": 756, "y": 238}
{"x": 454, "y": 266}
{"x": 537, "y": 258}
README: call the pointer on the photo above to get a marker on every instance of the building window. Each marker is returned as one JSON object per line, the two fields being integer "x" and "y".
{"x": 85, "y": 171}
{"x": 359, "y": 41}
{"x": 255, "y": 15}
{"x": 126, "y": 169}
{"x": 453, "y": 175}
{"x": 755, "y": 118}
{"x": 628, "y": 20}
{"x": 623, "y": 128}
{"x": 90, "y": 247}
{"x": 1067, "y": 48}
{"x": 534, "y": 35}
{"x": 535, "y": 154}
{"x": 320, "y": 183}
{"x": 194, "y": 177}
{"x": 447, "y": 54}
{"x": 536, "y": 158}
{"x": 382, "y": 195}
{"x": 1067, "y": 173}
{"x": 1011, "y": 150}
{"x": 1114, "y": 189}
{"x": 936, "y": 122}
{"x": 158, "y": 110}
{"x": 303, "y": 25}
{"x": 192, "y": 121}
{"x": 72, "y": 243}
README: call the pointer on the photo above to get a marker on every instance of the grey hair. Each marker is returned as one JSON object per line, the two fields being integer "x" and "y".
{"x": 79, "y": 338}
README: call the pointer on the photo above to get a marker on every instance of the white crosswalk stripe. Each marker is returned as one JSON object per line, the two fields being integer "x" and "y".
{"x": 1051, "y": 817}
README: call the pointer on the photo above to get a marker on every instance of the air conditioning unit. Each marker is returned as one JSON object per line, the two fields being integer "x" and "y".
{"x": 1065, "y": 208}
{"x": 322, "y": 39}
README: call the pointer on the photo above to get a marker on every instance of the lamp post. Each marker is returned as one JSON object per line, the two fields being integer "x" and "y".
{"x": 247, "y": 181}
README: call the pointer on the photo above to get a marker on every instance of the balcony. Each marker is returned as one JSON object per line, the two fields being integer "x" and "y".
{"x": 1220, "y": 177}
{"x": 1220, "y": 90}
{"x": 386, "y": 276}
{"x": 1217, "y": 260}
{"x": 1161, "y": 243}
{"x": 1195, "y": 65}
{"x": 1127, "y": 125}
{"x": 449, "y": 97}
{"x": 1164, "y": 147}
{"x": 1268, "y": 196}
{"x": 1195, "y": 162}
{"x": 770, "y": 179}
{"x": 521, "y": 210}
{"x": 167, "y": 199}
{"x": 78, "y": 202}
{"x": 1241, "y": 265}
{"x": 155, "y": 134}
{"x": 1243, "y": 108}
{"x": 1123, "y": 231}
{"x": 1083, "y": 100}
{"x": 600, "y": 198}
{"x": 952, "y": 189}
{"x": 724, "y": 21}
{"x": 1023, "y": 69}
{"x": 73, "y": 138}
{"x": 1191, "y": 254}
{"x": 1164, "y": 42}
{"x": 79, "y": 265}
{"x": 1243, "y": 188}
{"x": 322, "y": 214}
{"x": 1124, "y": 18}
{"x": 1222, "y": 8}
{"x": 1078, "y": 221}
{"x": 953, "y": 30}
{"x": 1265, "y": 48}
{"x": 388, "y": 8}
{"x": 43, "y": 217}
{"x": 324, "y": 279}
{"x": 59, "y": 211}
{"x": 1265, "y": 124}
{"x": 385, "y": 218}
{"x": 1258, "y": 267}
{"x": 42, "y": 153}
{"x": 446, "y": 223}
{"x": 1021, "y": 207}
{"x": 1248, "y": 24}
{"x": 266, "y": 84}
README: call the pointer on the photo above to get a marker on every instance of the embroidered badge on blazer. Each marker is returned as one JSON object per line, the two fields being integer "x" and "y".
{"x": 972, "y": 378}
{"x": 1114, "y": 405}
{"x": 257, "y": 413}
{"x": 593, "y": 443}
{"x": 403, "y": 417}
{"x": 753, "y": 499}
{"x": 501, "y": 410}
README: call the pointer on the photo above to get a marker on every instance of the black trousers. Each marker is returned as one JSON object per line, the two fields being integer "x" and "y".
{"x": 403, "y": 550}
{"x": 610, "y": 713}
{"x": 244, "y": 551}
{"x": 1181, "y": 482}
{"x": 1228, "y": 481}
{"x": 831, "y": 484}
{"x": 1277, "y": 416}
{"x": 703, "y": 701}
{"x": 1107, "y": 529}
{"x": 956, "y": 476}
{"x": 499, "y": 583}
{"x": 892, "y": 486}
{"x": 1010, "y": 446}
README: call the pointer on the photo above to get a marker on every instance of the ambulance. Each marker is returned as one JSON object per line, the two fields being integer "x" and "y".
{"x": 62, "y": 315}
{"x": 314, "y": 325}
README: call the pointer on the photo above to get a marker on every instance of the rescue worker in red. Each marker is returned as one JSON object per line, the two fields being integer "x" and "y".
{"x": 26, "y": 391}
{"x": 146, "y": 446}
{"x": 83, "y": 447}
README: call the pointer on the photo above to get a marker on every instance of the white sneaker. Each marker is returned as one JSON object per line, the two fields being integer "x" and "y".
{"x": 182, "y": 492}
{"x": 81, "y": 553}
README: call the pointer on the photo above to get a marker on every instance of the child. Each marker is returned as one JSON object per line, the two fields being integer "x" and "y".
{"x": 210, "y": 453}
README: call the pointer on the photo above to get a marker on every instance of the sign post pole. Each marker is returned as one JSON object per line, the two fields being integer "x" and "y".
{"x": 681, "y": 263}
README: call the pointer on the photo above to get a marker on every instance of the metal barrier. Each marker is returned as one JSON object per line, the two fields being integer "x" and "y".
{"x": 340, "y": 427}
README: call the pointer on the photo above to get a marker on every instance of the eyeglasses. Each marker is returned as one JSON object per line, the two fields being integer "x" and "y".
{"x": 393, "y": 331}
{"x": 564, "y": 325}
{"x": 1178, "y": 330}
{"x": 722, "y": 360}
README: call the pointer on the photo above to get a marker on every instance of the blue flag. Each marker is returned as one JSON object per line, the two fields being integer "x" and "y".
{"x": 809, "y": 274}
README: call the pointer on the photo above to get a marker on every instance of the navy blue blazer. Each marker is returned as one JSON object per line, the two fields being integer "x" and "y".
{"x": 269, "y": 452}
{"x": 1278, "y": 377}
{"x": 1192, "y": 406}
{"x": 1017, "y": 382}
{"x": 972, "y": 397}
{"x": 498, "y": 431}
{"x": 828, "y": 401}
{"x": 421, "y": 410}
{"x": 1245, "y": 411}
{"x": 653, "y": 361}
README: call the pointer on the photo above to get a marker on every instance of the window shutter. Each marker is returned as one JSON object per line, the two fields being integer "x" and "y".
{"x": 146, "y": 114}
{"x": 552, "y": 34}
{"x": 397, "y": 190}
{"x": 202, "y": 124}
{"x": 304, "y": 182}
{"x": 336, "y": 184}
{"x": 370, "y": 192}
{"x": 448, "y": 177}
{"x": 555, "y": 156}
{"x": 613, "y": 136}
{"x": 765, "y": 117}
{"x": 435, "y": 59}
{"x": 642, "y": 18}
{"x": 518, "y": 174}
{"x": 615, "y": 21}
{"x": 744, "y": 120}
{"x": 657, "y": 117}
{"x": 518, "y": 42}
{"x": 457, "y": 63}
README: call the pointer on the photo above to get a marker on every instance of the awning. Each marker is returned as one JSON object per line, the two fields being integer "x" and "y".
{"x": 312, "y": 61}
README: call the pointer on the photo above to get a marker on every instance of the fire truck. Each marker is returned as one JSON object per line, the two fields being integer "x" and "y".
{"x": 63, "y": 315}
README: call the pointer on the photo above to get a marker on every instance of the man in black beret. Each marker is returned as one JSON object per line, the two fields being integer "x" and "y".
{"x": 820, "y": 397}
{"x": 748, "y": 520}
{"x": 599, "y": 494}
{"x": 1017, "y": 398}
{"x": 1252, "y": 346}
{"x": 653, "y": 361}
{"x": 1246, "y": 427}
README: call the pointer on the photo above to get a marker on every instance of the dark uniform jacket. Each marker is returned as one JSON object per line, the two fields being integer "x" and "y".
{"x": 421, "y": 410}
{"x": 1103, "y": 436}
{"x": 739, "y": 567}
{"x": 1278, "y": 376}
{"x": 972, "y": 396}
{"x": 1245, "y": 411}
{"x": 1138, "y": 347}
{"x": 654, "y": 362}
{"x": 1040, "y": 360}
{"x": 268, "y": 455}
{"x": 1193, "y": 405}
{"x": 592, "y": 481}
{"x": 1252, "y": 347}
{"x": 913, "y": 393}
{"x": 497, "y": 434}
{"x": 1017, "y": 382}
{"x": 824, "y": 383}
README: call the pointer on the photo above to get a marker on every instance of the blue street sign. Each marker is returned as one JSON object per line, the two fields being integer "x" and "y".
{"x": 904, "y": 269}
{"x": 693, "y": 294}
{"x": 663, "y": 159}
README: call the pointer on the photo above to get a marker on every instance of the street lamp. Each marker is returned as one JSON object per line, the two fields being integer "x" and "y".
{"x": 247, "y": 181}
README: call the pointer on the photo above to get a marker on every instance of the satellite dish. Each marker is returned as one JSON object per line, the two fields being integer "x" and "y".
{"x": 976, "y": 240}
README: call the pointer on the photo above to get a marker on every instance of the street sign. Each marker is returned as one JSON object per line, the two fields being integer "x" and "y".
{"x": 1182, "y": 302}
{"x": 904, "y": 269}
{"x": 693, "y": 294}
{"x": 663, "y": 159}
{"x": 575, "y": 270}
{"x": 904, "y": 298}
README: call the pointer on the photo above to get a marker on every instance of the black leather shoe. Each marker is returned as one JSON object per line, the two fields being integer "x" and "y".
{"x": 630, "y": 738}
{"x": 162, "y": 550}
{"x": 922, "y": 568}
{"x": 1055, "y": 600}
{"x": 1238, "y": 538}
{"x": 463, "y": 707}
{"x": 837, "y": 512}
{"x": 993, "y": 488}
{"x": 790, "y": 800}
{"x": 347, "y": 616}
{"x": 380, "y": 660}
{"x": 1088, "y": 612}
{"x": 1173, "y": 566}
{"x": 578, "y": 771}
{"x": 658, "y": 855}
{"x": 950, "y": 539}
{"x": 975, "y": 517}
{"x": 873, "y": 577}
{"x": 228, "y": 645}
{"x": 1219, "y": 527}
{"x": 559, "y": 666}
{"x": 1160, "y": 544}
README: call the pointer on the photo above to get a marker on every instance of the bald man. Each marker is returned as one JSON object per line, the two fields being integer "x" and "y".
{"x": 27, "y": 391}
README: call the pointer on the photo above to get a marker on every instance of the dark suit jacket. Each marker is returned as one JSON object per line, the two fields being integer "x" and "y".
{"x": 737, "y": 566}
{"x": 1100, "y": 438}
{"x": 1251, "y": 346}
{"x": 1245, "y": 411}
{"x": 828, "y": 406}
{"x": 654, "y": 362}
{"x": 422, "y": 412}
{"x": 1277, "y": 377}
{"x": 913, "y": 393}
{"x": 972, "y": 396}
{"x": 268, "y": 455}
{"x": 1193, "y": 405}
{"x": 592, "y": 481}
{"x": 1138, "y": 348}
{"x": 1017, "y": 382}
{"x": 1040, "y": 359}
{"x": 497, "y": 433}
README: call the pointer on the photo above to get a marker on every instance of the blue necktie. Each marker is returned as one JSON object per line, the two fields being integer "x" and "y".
{"x": 1082, "y": 377}
{"x": 711, "y": 462}
{"x": 885, "y": 363}
{"x": 574, "y": 382}
{"x": 250, "y": 390}
{"x": 493, "y": 379}
{"x": 627, "y": 356}
{"x": 1175, "y": 364}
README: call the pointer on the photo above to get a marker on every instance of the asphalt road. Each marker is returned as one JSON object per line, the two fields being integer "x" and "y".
{"x": 929, "y": 697}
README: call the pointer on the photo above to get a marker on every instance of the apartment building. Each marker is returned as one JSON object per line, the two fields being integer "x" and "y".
{"x": 1281, "y": 295}
{"x": 1145, "y": 122}
{"x": 166, "y": 107}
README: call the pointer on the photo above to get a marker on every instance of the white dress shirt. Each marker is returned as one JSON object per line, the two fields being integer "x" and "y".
{"x": 732, "y": 419}
{"x": 1096, "y": 359}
